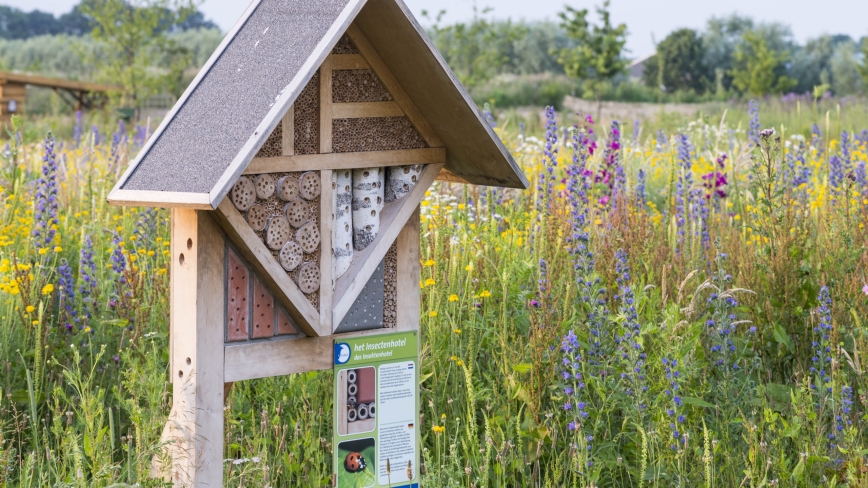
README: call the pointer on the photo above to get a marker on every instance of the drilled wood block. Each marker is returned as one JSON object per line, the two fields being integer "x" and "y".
{"x": 264, "y": 186}
{"x": 310, "y": 185}
{"x": 277, "y": 233}
{"x": 257, "y": 217}
{"x": 287, "y": 188}
{"x": 367, "y": 388}
{"x": 297, "y": 212}
{"x": 263, "y": 311}
{"x": 345, "y": 46}
{"x": 273, "y": 146}
{"x": 309, "y": 277}
{"x": 306, "y": 124}
{"x": 285, "y": 325}
{"x": 237, "y": 302}
{"x": 291, "y": 255}
{"x": 308, "y": 236}
{"x": 243, "y": 194}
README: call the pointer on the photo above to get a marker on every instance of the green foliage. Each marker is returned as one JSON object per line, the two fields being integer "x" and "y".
{"x": 758, "y": 69}
{"x": 679, "y": 63}
{"x": 130, "y": 35}
{"x": 599, "y": 54}
{"x": 863, "y": 66}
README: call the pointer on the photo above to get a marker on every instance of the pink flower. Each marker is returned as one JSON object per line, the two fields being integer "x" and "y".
{"x": 865, "y": 289}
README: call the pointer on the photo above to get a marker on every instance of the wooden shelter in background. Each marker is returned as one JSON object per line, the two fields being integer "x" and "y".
{"x": 81, "y": 95}
{"x": 261, "y": 161}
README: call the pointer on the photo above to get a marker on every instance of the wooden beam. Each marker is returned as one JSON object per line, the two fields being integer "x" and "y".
{"x": 288, "y": 131}
{"x": 360, "y": 110}
{"x": 198, "y": 312}
{"x": 446, "y": 175}
{"x": 409, "y": 275}
{"x": 327, "y": 283}
{"x": 280, "y": 357}
{"x": 269, "y": 270}
{"x": 139, "y": 198}
{"x": 348, "y": 61}
{"x": 325, "y": 107}
{"x": 392, "y": 219}
{"x": 391, "y": 83}
{"x": 335, "y": 161}
{"x": 56, "y": 83}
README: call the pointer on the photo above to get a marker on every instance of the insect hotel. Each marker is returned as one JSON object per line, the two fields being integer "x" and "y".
{"x": 294, "y": 166}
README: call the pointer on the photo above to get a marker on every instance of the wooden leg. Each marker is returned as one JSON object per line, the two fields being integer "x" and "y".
{"x": 409, "y": 275}
{"x": 194, "y": 433}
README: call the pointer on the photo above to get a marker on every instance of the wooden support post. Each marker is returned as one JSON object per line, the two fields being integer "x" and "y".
{"x": 194, "y": 432}
{"x": 409, "y": 274}
{"x": 288, "y": 131}
{"x": 327, "y": 286}
{"x": 325, "y": 107}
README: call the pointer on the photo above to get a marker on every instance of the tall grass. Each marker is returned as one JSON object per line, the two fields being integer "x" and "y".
{"x": 649, "y": 313}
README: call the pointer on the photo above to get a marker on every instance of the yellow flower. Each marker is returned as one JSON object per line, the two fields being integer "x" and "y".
{"x": 43, "y": 251}
{"x": 35, "y": 322}
{"x": 120, "y": 228}
{"x": 485, "y": 294}
{"x": 425, "y": 203}
{"x": 442, "y": 416}
{"x": 150, "y": 253}
{"x": 47, "y": 289}
{"x": 438, "y": 429}
{"x": 457, "y": 331}
{"x": 87, "y": 330}
{"x": 133, "y": 257}
{"x": 432, "y": 313}
{"x": 430, "y": 282}
{"x": 58, "y": 249}
{"x": 132, "y": 238}
{"x": 461, "y": 206}
{"x": 453, "y": 298}
{"x": 454, "y": 358}
{"x": 469, "y": 267}
{"x": 460, "y": 363}
{"x": 30, "y": 309}
{"x": 428, "y": 263}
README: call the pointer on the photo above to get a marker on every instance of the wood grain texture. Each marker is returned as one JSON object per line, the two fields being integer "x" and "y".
{"x": 279, "y": 357}
{"x": 288, "y": 133}
{"x": 327, "y": 288}
{"x": 409, "y": 275}
{"x": 370, "y": 159}
{"x": 162, "y": 199}
{"x": 325, "y": 107}
{"x": 198, "y": 310}
{"x": 347, "y": 61}
{"x": 391, "y": 83}
{"x": 358, "y": 110}
{"x": 264, "y": 263}
{"x": 392, "y": 220}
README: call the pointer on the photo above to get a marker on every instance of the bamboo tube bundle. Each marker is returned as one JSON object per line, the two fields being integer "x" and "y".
{"x": 367, "y": 202}
{"x": 400, "y": 180}
{"x": 342, "y": 230}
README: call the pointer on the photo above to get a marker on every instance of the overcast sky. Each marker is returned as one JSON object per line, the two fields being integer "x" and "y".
{"x": 645, "y": 19}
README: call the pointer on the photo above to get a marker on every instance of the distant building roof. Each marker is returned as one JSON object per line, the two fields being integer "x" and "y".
{"x": 637, "y": 66}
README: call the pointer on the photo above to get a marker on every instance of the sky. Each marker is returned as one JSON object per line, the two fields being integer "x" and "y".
{"x": 647, "y": 20}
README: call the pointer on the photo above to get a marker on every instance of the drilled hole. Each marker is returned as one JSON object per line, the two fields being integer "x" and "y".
{"x": 189, "y": 361}
{"x": 181, "y": 259}
{"x": 373, "y": 213}
{"x": 180, "y": 374}
{"x": 189, "y": 243}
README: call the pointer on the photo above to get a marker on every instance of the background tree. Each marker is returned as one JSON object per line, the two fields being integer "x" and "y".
{"x": 679, "y": 63}
{"x": 598, "y": 56}
{"x": 863, "y": 66}
{"x": 132, "y": 34}
{"x": 758, "y": 69}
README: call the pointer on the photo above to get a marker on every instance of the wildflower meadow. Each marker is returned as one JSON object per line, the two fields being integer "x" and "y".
{"x": 682, "y": 307}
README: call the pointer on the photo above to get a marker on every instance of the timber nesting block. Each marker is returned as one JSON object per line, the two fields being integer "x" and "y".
{"x": 264, "y": 186}
{"x": 390, "y": 286}
{"x": 287, "y": 188}
{"x": 273, "y": 146}
{"x": 374, "y": 134}
{"x": 297, "y": 212}
{"x": 308, "y": 236}
{"x": 277, "y": 233}
{"x": 308, "y": 277}
{"x": 309, "y": 185}
{"x": 243, "y": 194}
{"x": 263, "y": 311}
{"x": 238, "y": 292}
{"x": 358, "y": 85}
{"x": 345, "y": 46}
{"x": 257, "y": 217}
{"x": 306, "y": 118}
{"x": 290, "y": 255}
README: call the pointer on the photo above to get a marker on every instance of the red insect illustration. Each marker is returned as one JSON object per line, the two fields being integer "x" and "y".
{"x": 355, "y": 462}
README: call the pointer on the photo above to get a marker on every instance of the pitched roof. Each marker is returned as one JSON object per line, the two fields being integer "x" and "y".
{"x": 258, "y": 71}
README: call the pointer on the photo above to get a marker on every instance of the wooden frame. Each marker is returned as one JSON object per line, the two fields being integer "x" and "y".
{"x": 356, "y": 160}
